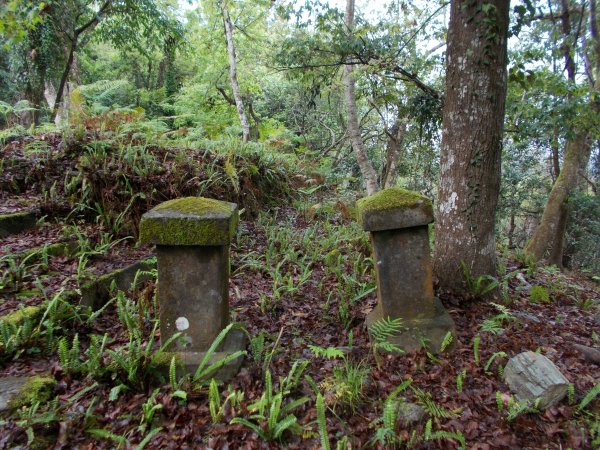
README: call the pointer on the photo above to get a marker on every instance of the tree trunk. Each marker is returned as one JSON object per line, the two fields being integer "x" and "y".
{"x": 393, "y": 151}
{"x": 63, "y": 79}
{"x": 471, "y": 141}
{"x": 550, "y": 230}
{"x": 235, "y": 87}
{"x": 360, "y": 152}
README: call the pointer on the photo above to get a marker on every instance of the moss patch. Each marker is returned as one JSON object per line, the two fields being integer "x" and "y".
{"x": 35, "y": 389}
{"x": 392, "y": 198}
{"x": 199, "y": 206}
{"x": 190, "y": 221}
{"x": 17, "y": 317}
{"x": 162, "y": 360}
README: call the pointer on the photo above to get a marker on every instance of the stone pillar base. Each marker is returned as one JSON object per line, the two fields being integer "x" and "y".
{"x": 188, "y": 361}
{"x": 431, "y": 329}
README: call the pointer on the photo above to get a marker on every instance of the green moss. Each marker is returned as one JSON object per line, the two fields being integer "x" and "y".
{"x": 17, "y": 317}
{"x": 539, "y": 294}
{"x": 195, "y": 205}
{"x": 35, "y": 389}
{"x": 215, "y": 223}
{"x": 162, "y": 360}
{"x": 392, "y": 198}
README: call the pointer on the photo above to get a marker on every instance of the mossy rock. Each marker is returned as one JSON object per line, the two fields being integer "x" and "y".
{"x": 16, "y": 223}
{"x": 190, "y": 221}
{"x": 394, "y": 208}
{"x": 35, "y": 389}
{"x": 17, "y": 317}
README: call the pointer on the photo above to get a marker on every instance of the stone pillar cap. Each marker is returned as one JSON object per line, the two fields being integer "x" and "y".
{"x": 394, "y": 208}
{"x": 190, "y": 221}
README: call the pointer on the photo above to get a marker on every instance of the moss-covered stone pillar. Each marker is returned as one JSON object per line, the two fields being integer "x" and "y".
{"x": 192, "y": 237}
{"x": 398, "y": 222}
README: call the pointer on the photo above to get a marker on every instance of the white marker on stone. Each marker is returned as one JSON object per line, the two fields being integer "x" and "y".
{"x": 182, "y": 323}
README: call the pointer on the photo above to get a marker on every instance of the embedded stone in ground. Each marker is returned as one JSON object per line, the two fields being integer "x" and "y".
{"x": 20, "y": 391}
{"x": 534, "y": 377}
{"x": 398, "y": 222}
{"x": 192, "y": 237}
{"x": 16, "y": 223}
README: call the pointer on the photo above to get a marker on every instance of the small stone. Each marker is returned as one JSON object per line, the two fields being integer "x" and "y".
{"x": 532, "y": 376}
{"x": 410, "y": 413}
{"x": 20, "y": 391}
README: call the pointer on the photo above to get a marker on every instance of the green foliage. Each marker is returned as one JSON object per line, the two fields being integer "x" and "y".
{"x": 431, "y": 407}
{"x": 322, "y": 422}
{"x": 206, "y": 369}
{"x": 34, "y": 334}
{"x": 346, "y": 385}
{"x": 381, "y": 332}
{"x": 589, "y": 397}
{"x": 442, "y": 434}
{"x": 481, "y": 285}
{"x": 272, "y": 412}
{"x": 495, "y": 323}
{"x": 539, "y": 294}
{"x": 387, "y": 424}
{"x": 583, "y": 233}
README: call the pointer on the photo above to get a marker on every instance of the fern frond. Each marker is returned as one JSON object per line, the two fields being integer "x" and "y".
{"x": 322, "y": 423}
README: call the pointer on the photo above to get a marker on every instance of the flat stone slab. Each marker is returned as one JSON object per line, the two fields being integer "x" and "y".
{"x": 16, "y": 223}
{"x": 190, "y": 221}
{"x": 394, "y": 208}
{"x": 96, "y": 293}
{"x": 532, "y": 376}
{"x": 429, "y": 329}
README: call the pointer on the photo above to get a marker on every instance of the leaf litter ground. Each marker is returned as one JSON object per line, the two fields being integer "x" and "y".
{"x": 310, "y": 317}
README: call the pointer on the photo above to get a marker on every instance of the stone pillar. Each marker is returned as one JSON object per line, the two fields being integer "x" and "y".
{"x": 192, "y": 237}
{"x": 398, "y": 222}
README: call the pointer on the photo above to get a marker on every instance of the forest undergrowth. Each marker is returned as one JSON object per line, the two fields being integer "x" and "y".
{"x": 302, "y": 282}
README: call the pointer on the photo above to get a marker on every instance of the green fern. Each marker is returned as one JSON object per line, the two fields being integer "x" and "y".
{"x": 441, "y": 434}
{"x": 327, "y": 353}
{"x": 322, "y": 423}
{"x": 446, "y": 342}
{"x": 385, "y": 328}
{"x": 589, "y": 397}
{"x": 430, "y": 406}
{"x": 571, "y": 393}
{"x": 492, "y": 358}
{"x": 459, "y": 380}
{"x": 499, "y": 401}
{"x": 476, "y": 342}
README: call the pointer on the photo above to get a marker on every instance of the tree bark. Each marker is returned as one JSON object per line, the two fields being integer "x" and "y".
{"x": 235, "y": 87}
{"x": 550, "y": 232}
{"x": 471, "y": 141}
{"x": 63, "y": 79}
{"x": 360, "y": 152}
{"x": 393, "y": 152}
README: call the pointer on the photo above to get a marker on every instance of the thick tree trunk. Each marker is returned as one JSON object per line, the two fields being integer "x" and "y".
{"x": 360, "y": 152}
{"x": 550, "y": 230}
{"x": 235, "y": 87}
{"x": 471, "y": 141}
